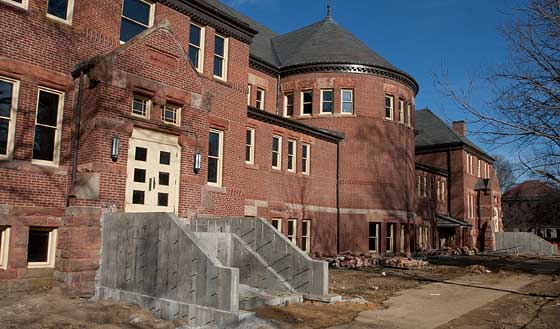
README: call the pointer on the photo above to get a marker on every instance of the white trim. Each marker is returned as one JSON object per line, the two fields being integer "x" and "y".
{"x": 220, "y": 157}
{"x": 262, "y": 92}
{"x": 306, "y": 247}
{"x": 58, "y": 132}
{"x": 69, "y": 13}
{"x": 200, "y": 65}
{"x": 11, "y": 119}
{"x": 4, "y": 247}
{"x": 303, "y": 104}
{"x": 293, "y": 237}
{"x": 392, "y": 107}
{"x": 224, "y": 58}
{"x": 277, "y": 153}
{"x": 150, "y": 18}
{"x": 51, "y": 253}
{"x": 24, "y": 4}
{"x": 251, "y": 146}
{"x": 293, "y": 156}
{"x": 323, "y": 91}
{"x": 342, "y": 102}
{"x": 306, "y": 159}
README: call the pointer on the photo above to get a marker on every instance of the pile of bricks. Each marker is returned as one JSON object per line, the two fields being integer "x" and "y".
{"x": 465, "y": 251}
{"x": 404, "y": 262}
{"x": 356, "y": 261}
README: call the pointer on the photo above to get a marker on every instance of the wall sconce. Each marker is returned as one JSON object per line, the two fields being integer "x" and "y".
{"x": 197, "y": 161}
{"x": 115, "y": 148}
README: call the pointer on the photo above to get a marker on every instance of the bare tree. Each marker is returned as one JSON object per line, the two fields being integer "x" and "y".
{"x": 525, "y": 111}
{"x": 505, "y": 171}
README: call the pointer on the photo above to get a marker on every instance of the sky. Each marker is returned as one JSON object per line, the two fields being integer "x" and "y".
{"x": 422, "y": 37}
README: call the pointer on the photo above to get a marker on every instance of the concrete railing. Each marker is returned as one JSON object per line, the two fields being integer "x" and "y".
{"x": 296, "y": 268}
{"x": 152, "y": 260}
{"x": 524, "y": 243}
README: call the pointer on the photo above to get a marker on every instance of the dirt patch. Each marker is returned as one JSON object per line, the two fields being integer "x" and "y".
{"x": 52, "y": 310}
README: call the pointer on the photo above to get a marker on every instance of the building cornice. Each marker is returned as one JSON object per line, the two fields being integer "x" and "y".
{"x": 328, "y": 135}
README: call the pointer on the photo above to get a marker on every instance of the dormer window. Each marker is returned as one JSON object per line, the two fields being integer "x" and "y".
{"x": 137, "y": 16}
{"x": 60, "y": 10}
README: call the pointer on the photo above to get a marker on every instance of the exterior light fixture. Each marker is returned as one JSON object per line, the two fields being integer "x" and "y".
{"x": 115, "y": 148}
{"x": 197, "y": 161}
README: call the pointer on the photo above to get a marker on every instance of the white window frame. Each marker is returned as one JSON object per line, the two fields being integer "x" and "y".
{"x": 200, "y": 65}
{"x": 177, "y": 116}
{"x": 51, "y": 253}
{"x": 260, "y": 104}
{"x": 303, "y": 92}
{"x": 479, "y": 172}
{"x": 220, "y": 158}
{"x": 391, "y": 107}
{"x": 24, "y": 4}
{"x": 69, "y": 13}
{"x": 12, "y": 118}
{"x": 323, "y": 91}
{"x": 307, "y": 246}
{"x": 4, "y": 247}
{"x": 293, "y": 237}
{"x": 249, "y": 89}
{"x": 147, "y": 106}
{"x": 342, "y": 102}
{"x": 224, "y": 58}
{"x": 151, "y": 18}
{"x": 390, "y": 238}
{"x": 277, "y": 153}
{"x": 292, "y": 158}
{"x": 58, "y": 134}
{"x": 251, "y": 147}
{"x": 307, "y": 159}
{"x": 376, "y": 237}
{"x": 279, "y": 221}
{"x": 286, "y": 104}
{"x": 401, "y": 111}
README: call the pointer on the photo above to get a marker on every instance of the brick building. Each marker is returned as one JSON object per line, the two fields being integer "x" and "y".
{"x": 192, "y": 108}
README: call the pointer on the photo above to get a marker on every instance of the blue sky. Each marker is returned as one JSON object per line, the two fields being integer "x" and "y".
{"x": 421, "y": 37}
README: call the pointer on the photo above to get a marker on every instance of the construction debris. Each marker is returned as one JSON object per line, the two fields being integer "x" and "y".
{"x": 356, "y": 261}
{"x": 465, "y": 251}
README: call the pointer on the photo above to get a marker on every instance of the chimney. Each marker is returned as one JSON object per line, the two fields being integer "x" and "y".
{"x": 460, "y": 127}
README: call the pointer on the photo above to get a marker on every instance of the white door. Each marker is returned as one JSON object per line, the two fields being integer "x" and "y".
{"x": 153, "y": 172}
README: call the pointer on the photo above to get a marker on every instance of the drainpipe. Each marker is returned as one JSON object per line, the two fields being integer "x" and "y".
{"x": 449, "y": 181}
{"x": 77, "y": 121}
{"x": 337, "y": 197}
{"x": 278, "y": 94}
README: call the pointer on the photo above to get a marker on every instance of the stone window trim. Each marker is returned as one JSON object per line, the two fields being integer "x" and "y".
{"x": 51, "y": 248}
{"x": 343, "y": 102}
{"x": 327, "y": 102}
{"x": 292, "y": 156}
{"x": 24, "y": 3}
{"x": 171, "y": 114}
{"x": 304, "y": 103}
{"x": 306, "y": 159}
{"x": 150, "y": 19}
{"x": 250, "y": 146}
{"x": 277, "y": 153}
{"x": 260, "y": 100}
{"x": 69, "y": 13}
{"x": 219, "y": 157}
{"x": 223, "y": 57}
{"x": 4, "y": 247}
{"x": 200, "y": 48}
{"x": 389, "y": 107}
{"x": 11, "y": 119}
{"x": 58, "y": 129}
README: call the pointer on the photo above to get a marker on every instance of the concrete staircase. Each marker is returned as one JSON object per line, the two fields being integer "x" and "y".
{"x": 205, "y": 272}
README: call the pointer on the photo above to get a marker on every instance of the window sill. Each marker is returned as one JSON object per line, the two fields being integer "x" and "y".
{"x": 216, "y": 189}
{"x": 251, "y": 166}
{"x": 29, "y": 166}
{"x": 59, "y": 20}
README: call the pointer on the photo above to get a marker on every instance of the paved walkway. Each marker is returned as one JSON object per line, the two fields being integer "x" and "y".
{"x": 432, "y": 305}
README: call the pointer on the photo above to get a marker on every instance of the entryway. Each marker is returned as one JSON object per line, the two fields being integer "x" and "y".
{"x": 154, "y": 162}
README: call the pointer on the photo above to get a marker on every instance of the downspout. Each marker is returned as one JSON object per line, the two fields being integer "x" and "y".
{"x": 77, "y": 122}
{"x": 449, "y": 181}
{"x": 338, "y": 197}
{"x": 278, "y": 94}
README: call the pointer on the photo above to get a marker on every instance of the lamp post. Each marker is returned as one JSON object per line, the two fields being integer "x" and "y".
{"x": 115, "y": 148}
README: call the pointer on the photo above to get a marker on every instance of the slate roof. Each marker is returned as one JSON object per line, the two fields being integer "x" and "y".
{"x": 433, "y": 131}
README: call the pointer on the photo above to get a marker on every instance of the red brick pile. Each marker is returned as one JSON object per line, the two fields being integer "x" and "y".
{"x": 356, "y": 261}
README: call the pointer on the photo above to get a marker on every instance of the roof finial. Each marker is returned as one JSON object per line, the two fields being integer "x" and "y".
{"x": 329, "y": 9}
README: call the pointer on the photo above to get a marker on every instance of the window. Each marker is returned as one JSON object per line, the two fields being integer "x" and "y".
{"x": 292, "y": 230}
{"x": 9, "y": 91}
{"x": 289, "y": 105}
{"x": 137, "y": 16}
{"x": 250, "y": 146}
{"x": 60, "y": 10}
{"x": 306, "y": 236}
{"x": 327, "y": 101}
{"x": 390, "y": 236}
{"x": 470, "y": 206}
{"x": 220, "y": 57}
{"x": 425, "y": 186}
{"x": 374, "y": 237}
{"x": 196, "y": 46}
{"x": 443, "y": 191}
{"x": 141, "y": 106}
{"x": 249, "y": 95}
{"x": 48, "y": 124}
{"x": 307, "y": 102}
{"x": 408, "y": 114}
{"x": 41, "y": 247}
{"x": 347, "y": 104}
{"x": 389, "y": 103}
{"x": 276, "y": 152}
{"x": 260, "y": 99}
{"x": 419, "y": 186}
{"x": 438, "y": 195}
{"x": 478, "y": 170}
{"x": 4, "y": 246}
{"x": 277, "y": 223}
{"x": 215, "y": 156}
{"x": 292, "y": 149}
{"x": 18, "y": 3}
{"x": 403, "y": 237}
{"x": 401, "y": 110}
{"x": 305, "y": 156}
{"x": 421, "y": 236}
{"x": 171, "y": 114}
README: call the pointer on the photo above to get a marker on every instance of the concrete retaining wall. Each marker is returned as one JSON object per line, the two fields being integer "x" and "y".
{"x": 524, "y": 243}
{"x": 151, "y": 260}
{"x": 295, "y": 267}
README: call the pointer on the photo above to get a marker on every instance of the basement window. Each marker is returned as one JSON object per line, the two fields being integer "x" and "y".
{"x": 4, "y": 247}
{"x": 60, "y": 10}
{"x": 137, "y": 16}
{"x": 277, "y": 223}
{"x": 292, "y": 230}
{"x": 373, "y": 237}
{"x": 41, "y": 247}
{"x": 306, "y": 236}
{"x": 18, "y": 3}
